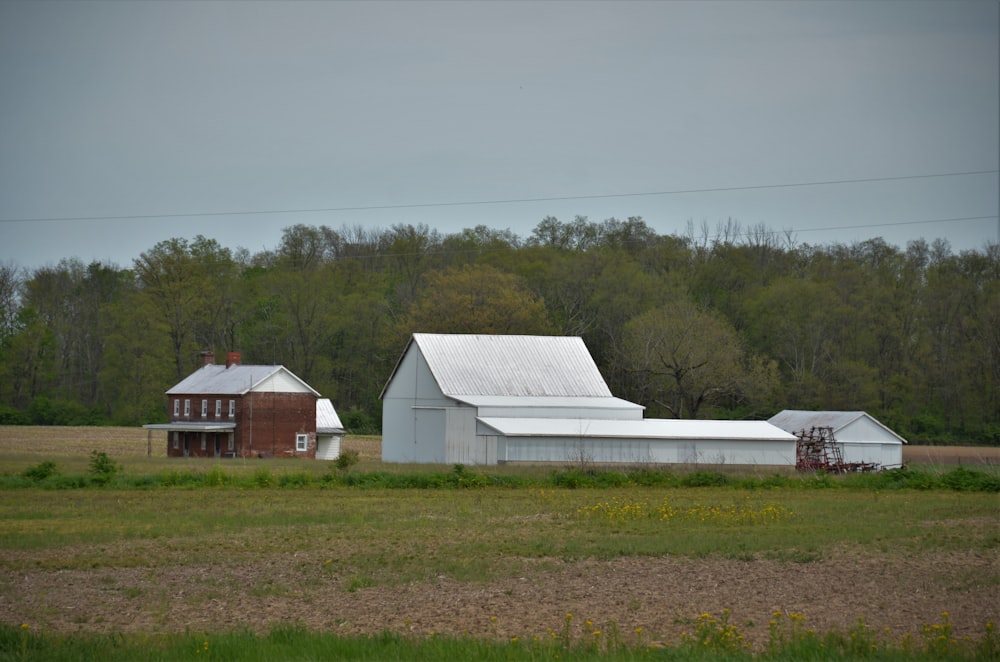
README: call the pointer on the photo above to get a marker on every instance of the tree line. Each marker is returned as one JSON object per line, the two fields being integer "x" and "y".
{"x": 724, "y": 322}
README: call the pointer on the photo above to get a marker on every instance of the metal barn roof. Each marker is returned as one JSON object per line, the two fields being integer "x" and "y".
{"x": 794, "y": 420}
{"x": 234, "y": 380}
{"x": 327, "y": 421}
{"x": 532, "y": 402}
{"x": 554, "y": 366}
{"x": 649, "y": 428}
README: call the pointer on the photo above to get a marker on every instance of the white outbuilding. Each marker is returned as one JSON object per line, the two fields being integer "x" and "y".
{"x": 861, "y": 438}
{"x": 329, "y": 431}
{"x": 488, "y": 399}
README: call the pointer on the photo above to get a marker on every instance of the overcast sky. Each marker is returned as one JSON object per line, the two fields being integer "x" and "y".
{"x": 175, "y": 114}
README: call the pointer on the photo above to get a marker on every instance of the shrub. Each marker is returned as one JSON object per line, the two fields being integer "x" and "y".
{"x": 41, "y": 471}
{"x": 347, "y": 459}
{"x": 102, "y": 467}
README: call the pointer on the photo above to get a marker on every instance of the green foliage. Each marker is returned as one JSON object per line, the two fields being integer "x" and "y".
{"x": 11, "y": 416}
{"x": 347, "y": 459}
{"x": 102, "y": 467}
{"x": 41, "y": 471}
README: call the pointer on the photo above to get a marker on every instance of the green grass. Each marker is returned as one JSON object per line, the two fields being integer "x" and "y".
{"x": 393, "y": 536}
{"x": 711, "y": 638}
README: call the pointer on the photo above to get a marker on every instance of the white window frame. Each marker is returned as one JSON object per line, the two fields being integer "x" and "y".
{"x": 301, "y": 443}
{"x": 187, "y": 408}
{"x": 232, "y": 409}
{"x": 218, "y": 408}
{"x": 232, "y": 442}
{"x": 204, "y": 408}
{"x": 177, "y": 406}
{"x": 204, "y": 441}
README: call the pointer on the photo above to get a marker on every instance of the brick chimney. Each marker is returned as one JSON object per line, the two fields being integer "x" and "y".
{"x": 207, "y": 357}
{"x": 232, "y": 358}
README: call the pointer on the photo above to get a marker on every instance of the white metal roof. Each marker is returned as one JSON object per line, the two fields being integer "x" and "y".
{"x": 649, "y": 428}
{"x": 555, "y": 366}
{"x": 327, "y": 421}
{"x": 233, "y": 380}
{"x": 546, "y": 402}
{"x": 795, "y": 420}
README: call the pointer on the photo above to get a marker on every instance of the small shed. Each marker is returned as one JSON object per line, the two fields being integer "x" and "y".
{"x": 861, "y": 438}
{"x": 329, "y": 431}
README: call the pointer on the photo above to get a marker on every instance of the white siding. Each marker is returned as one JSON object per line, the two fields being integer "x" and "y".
{"x": 328, "y": 446}
{"x": 640, "y": 451}
{"x": 413, "y": 387}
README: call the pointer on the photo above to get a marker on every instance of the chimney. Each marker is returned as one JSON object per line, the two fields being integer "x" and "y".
{"x": 232, "y": 358}
{"x": 207, "y": 357}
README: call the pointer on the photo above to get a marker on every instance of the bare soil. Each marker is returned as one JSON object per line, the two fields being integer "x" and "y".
{"x": 662, "y": 596}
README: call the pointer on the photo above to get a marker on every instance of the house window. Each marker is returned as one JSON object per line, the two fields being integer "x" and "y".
{"x": 301, "y": 442}
{"x": 232, "y": 445}
{"x": 177, "y": 407}
{"x": 204, "y": 408}
{"x": 203, "y": 445}
{"x": 187, "y": 407}
{"x": 218, "y": 408}
{"x": 177, "y": 439}
{"x": 232, "y": 409}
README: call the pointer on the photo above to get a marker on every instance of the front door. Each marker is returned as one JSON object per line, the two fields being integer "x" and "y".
{"x": 218, "y": 445}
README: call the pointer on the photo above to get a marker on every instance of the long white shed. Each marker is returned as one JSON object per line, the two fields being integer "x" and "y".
{"x": 651, "y": 440}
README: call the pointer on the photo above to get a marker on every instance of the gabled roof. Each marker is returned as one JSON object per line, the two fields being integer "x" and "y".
{"x": 502, "y": 365}
{"x": 794, "y": 420}
{"x": 234, "y": 380}
{"x": 327, "y": 421}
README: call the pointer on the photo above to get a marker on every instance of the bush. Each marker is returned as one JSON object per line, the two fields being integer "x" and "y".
{"x": 102, "y": 467}
{"x": 347, "y": 459}
{"x": 11, "y": 416}
{"x": 41, "y": 471}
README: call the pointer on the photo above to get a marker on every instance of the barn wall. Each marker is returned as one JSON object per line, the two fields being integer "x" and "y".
{"x": 864, "y": 429}
{"x": 636, "y": 451}
{"x": 461, "y": 444}
{"x": 407, "y": 435}
{"x": 887, "y": 455}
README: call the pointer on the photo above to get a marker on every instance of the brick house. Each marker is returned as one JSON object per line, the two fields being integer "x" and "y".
{"x": 236, "y": 410}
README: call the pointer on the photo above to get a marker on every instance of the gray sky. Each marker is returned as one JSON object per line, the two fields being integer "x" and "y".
{"x": 186, "y": 108}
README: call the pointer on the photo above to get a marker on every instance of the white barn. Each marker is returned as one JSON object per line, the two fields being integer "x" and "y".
{"x": 488, "y": 399}
{"x": 329, "y": 431}
{"x": 861, "y": 438}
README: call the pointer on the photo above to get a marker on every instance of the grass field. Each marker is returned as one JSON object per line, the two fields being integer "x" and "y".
{"x": 649, "y": 565}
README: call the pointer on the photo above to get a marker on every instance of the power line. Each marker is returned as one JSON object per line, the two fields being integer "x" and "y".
{"x": 716, "y": 189}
